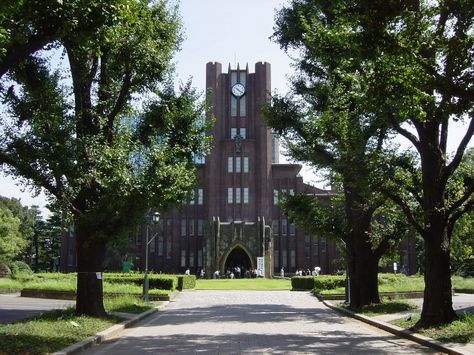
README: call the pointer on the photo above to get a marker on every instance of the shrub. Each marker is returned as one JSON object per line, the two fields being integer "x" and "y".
{"x": 186, "y": 282}
{"x": 318, "y": 283}
{"x": 5, "y": 271}
{"x": 302, "y": 282}
{"x": 21, "y": 270}
{"x": 162, "y": 282}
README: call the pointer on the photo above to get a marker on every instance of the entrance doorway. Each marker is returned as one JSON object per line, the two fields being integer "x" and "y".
{"x": 238, "y": 257}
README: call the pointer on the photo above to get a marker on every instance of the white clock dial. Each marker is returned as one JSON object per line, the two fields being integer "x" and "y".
{"x": 238, "y": 90}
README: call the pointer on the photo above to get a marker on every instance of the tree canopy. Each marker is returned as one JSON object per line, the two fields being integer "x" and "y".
{"x": 94, "y": 119}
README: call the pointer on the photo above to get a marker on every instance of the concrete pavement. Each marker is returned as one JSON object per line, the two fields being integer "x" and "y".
{"x": 13, "y": 307}
{"x": 253, "y": 322}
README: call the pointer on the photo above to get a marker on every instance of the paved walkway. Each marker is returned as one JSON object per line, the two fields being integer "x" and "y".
{"x": 253, "y": 322}
{"x": 14, "y": 307}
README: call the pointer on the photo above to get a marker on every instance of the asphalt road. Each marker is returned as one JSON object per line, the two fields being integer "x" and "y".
{"x": 14, "y": 307}
{"x": 253, "y": 322}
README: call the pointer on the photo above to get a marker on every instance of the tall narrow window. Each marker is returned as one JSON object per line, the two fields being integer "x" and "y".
{"x": 275, "y": 227}
{"x": 237, "y": 195}
{"x": 160, "y": 245}
{"x": 230, "y": 164}
{"x": 183, "y": 227}
{"x": 284, "y": 226}
{"x": 246, "y": 195}
{"x": 168, "y": 247}
{"x": 243, "y": 106}
{"x": 276, "y": 258}
{"x": 191, "y": 227}
{"x": 243, "y": 133}
{"x": 292, "y": 258}
{"x": 275, "y": 196}
{"x": 237, "y": 164}
{"x": 292, "y": 229}
{"x": 191, "y": 258}
{"x": 246, "y": 164}
{"x": 183, "y": 258}
{"x": 230, "y": 195}
{"x": 200, "y": 196}
{"x": 192, "y": 196}
{"x": 199, "y": 258}
{"x": 152, "y": 246}
{"x": 200, "y": 230}
{"x": 284, "y": 258}
{"x": 233, "y": 132}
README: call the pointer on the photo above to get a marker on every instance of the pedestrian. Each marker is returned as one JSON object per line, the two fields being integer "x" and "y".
{"x": 187, "y": 272}
{"x": 282, "y": 272}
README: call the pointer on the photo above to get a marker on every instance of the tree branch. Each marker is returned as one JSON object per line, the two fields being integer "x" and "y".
{"x": 406, "y": 209}
{"x": 451, "y": 167}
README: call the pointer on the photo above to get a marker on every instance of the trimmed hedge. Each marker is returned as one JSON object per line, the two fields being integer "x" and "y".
{"x": 186, "y": 282}
{"x": 167, "y": 282}
{"x": 318, "y": 283}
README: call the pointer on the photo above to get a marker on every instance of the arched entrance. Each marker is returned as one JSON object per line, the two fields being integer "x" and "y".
{"x": 238, "y": 257}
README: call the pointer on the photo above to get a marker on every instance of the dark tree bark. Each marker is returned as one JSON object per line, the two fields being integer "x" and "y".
{"x": 90, "y": 257}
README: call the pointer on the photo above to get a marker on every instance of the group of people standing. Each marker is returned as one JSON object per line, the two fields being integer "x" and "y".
{"x": 300, "y": 272}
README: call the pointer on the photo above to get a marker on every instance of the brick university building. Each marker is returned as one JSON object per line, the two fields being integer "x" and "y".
{"x": 232, "y": 216}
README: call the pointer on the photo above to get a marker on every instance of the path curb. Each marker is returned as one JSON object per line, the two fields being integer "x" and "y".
{"x": 107, "y": 333}
{"x": 404, "y": 333}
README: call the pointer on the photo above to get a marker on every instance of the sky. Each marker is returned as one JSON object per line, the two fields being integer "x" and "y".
{"x": 225, "y": 31}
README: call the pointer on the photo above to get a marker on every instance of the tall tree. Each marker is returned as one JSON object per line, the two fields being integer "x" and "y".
{"x": 11, "y": 240}
{"x": 421, "y": 53}
{"x": 326, "y": 123}
{"x": 416, "y": 58}
{"x": 103, "y": 132}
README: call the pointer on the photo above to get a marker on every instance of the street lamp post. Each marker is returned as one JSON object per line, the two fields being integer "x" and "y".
{"x": 146, "y": 283}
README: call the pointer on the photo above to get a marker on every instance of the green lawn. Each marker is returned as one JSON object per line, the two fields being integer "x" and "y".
{"x": 459, "y": 331}
{"x": 244, "y": 284}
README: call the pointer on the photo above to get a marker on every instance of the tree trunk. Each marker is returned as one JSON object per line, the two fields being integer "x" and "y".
{"x": 364, "y": 276}
{"x": 90, "y": 256}
{"x": 438, "y": 303}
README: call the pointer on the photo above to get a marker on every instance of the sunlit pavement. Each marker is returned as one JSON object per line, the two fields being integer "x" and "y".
{"x": 253, "y": 322}
{"x": 14, "y": 307}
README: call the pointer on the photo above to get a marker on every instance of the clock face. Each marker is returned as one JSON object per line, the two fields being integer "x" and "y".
{"x": 238, "y": 90}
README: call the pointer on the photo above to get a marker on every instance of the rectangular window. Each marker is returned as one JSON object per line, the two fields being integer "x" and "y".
{"x": 243, "y": 133}
{"x": 275, "y": 196}
{"x": 192, "y": 196}
{"x": 151, "y": 246}
{"x": 243, "y": 106}
{"x": 200, "y": 231}
{"x": 233, "y": 106}
{"x": 275, "y": 227}
{"x": 230, "y": 165}
{"x": 237, "y": 195}
{"x": 284, "y": 226}
{"x": 199, "y": 260}
{"x": 233, "y": 78}
{"x": 276, "y": 258}
{"x": 183, "y": 258}
{"x": 237, "y": 164}
{"x": 233, "y": 132}
{"x": 230, "y": 195}
{"x": 191, "y": 258}
{"x": 191, "y": 227}
{"x": 292, "y": 229}
{"x": 246, "y": 164}
{"x": 200, "y": 196}
{"x": 168, "y": 247}
{"x": 246, "y": 195}
{"x": 292, "y": 258}
{"x": 183, "y": 227}
{"x": 284, "y": 258}
{"x": 307, "y": 253}
{"x": 160, "y": 245}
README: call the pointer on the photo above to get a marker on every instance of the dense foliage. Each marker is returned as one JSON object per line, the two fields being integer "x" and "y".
{"x": 93, "y": 118}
